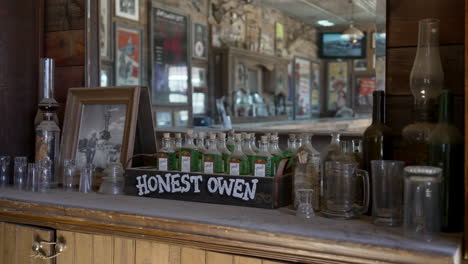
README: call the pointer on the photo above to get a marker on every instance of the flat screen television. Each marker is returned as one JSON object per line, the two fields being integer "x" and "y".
{"x": 338, "y": 46}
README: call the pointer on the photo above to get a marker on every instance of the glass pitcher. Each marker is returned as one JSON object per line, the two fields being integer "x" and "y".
{"x": 340, "y": 189}
{"x": 422, "y": 201}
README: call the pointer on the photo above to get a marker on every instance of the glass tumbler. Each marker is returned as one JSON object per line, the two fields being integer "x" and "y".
{"x": 422, "y": 215}
{"x": 4, "y": 171}
{"x": 33, "y": 177}
{"x": 20, "y": 174}
{"x": 387, "y": 195}
{"x": 68, "y": 174}
{"x": 86, "y": 178}
{"x": 305, "y": 209}
{"x": 340, "y": 189}
{"x": 45, "y": 175}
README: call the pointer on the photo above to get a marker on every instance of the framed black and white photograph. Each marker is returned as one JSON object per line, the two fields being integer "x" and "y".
{"x": 128, "y": 51}
{"x": 127, "y": 9}
{"x": 200, "y": 41}
{"x": 105, "y": 30}
{"x": 360, "y": 65}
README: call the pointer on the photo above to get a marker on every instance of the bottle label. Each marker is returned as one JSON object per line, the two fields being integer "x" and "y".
{"x": 234, "y": 168}
{"x": 185, "y": 163}
{"x": 208, "y": 167}
{"x": 260, "y": 170}
{"x": 162, "y": 164}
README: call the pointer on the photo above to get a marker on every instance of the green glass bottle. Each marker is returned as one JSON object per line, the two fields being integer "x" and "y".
{"x": 212, "y": 158}
{"x": 166, "y": 156}
{"x": 238, "y": 162}
{"x": 177, "y": 147}
{"x": 248, "y": 151}
{"x": 275, "y": 151}
{"x": 225, "y": 153}
{"x": 189, "y": 155}
{"x": 253, "y": 142}
{"x": 377, "y": 144}
{"x": 290, "y": 150}
{"x": 231, "y": 142}
{"x": 263, "y": 164}
{"x": 446, "y": 151}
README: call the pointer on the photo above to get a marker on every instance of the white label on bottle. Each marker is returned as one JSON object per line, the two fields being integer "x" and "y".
{"x": 260, "y": 170}
{"x": 162, "y": 162}
{"x": 234, "y": 168}
{"x": 208, "y": 167}
{"x": 185, "y": 167}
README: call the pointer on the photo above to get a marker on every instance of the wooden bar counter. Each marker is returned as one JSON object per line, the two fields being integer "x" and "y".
{"x": 121, "y": 229}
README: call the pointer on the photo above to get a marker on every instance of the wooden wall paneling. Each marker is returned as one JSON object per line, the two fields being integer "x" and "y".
{"x": 145, "y": 254}
{"x": 103, "y": 249}
{"x": 246, "y": 260}
{"x": 66, "y": 78}
{"x": 124, "y": 251}
{"x": 68, "y": 255}
{"x": 192, "y": 256}
{"x": 65, "y": 15}
{"x": 83, "y": 249}
{"x": 66, "y": 47}
{"x": 403, "y": 17}
{"x": 218, "y": 258}
{"x": 2, "y": 233}
{"x": 175, "y": 254}
{"x": 465, "y": 118}
{"x": 400, "y": 61}
{"x": 9, "y": 250}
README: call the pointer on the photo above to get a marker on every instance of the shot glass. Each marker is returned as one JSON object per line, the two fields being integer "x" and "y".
{"x": 4, "y": 171}
{"x": 86, "y": 178}
{"x": 305, "y": 209}
{"x": 387, "y": 195}
{"x": 69, "y": 172}
{"x": 21, "y": 165}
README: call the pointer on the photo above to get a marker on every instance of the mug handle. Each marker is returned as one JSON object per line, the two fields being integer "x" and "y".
{"x": 365, "y": 178}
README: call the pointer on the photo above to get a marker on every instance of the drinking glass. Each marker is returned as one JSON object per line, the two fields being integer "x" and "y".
{"x": 45, "y": 175}
{"x": 69, "y": 171}
{"x": 113, "y": 182}
{"x": 305, "y": 209}
{"x": 387, "y": 194}
{"x": 86, "y": 178}
{"x": 422, "y": 215}
{"x": 340, "y": 186}
{"x": 4, "y": 171}
{"x": 21, "y": 164}
{"x": 33, "y": 177}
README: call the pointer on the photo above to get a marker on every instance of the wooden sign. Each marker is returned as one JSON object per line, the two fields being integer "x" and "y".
{"x": 262, "y": 192}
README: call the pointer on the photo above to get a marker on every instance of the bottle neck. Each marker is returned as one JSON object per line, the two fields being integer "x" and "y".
{"x": 212, "y": 145}
{"x": 291, "y": 144}
{"x": 445, "y": 107}
{"x": 274, "y": 146}
{"x": 335, "y": 139}
{"x": 200, "y": 142}
{"x": 263, "y": 148}
{"x": 189, "y": 142}
{"x": 178, "y": 142}
{"x": 378, "y": 112}
{"x": 166, "y": 143}
{"x": 238, "y": 147}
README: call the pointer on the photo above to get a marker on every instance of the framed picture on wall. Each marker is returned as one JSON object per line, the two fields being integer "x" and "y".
{"x": 200, "y": 41}
{"x": 360, "y": 65}
{"x": 316, "y": 85}
{"x": 363, "y": 87}
{"x": 337, "y": 85}
{"x": 105, "y": 32}
{"x": 129, "y": 9}
{"x": 302, "y": 87}
{"x": 128, "y": 48}
{"x": 170, "y": 57}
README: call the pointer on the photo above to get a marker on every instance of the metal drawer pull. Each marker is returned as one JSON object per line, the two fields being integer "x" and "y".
{"x": 38, "y": 248}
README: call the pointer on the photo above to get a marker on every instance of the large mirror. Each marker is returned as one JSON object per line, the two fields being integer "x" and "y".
{"x": 242, "y": 62}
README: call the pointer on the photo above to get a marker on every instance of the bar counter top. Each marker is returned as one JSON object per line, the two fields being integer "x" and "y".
{"x": 261, "y": 232}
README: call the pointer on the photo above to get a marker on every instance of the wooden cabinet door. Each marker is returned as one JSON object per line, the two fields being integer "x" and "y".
{"x": 99, "y": 249}
{"x": 16, "y": 243}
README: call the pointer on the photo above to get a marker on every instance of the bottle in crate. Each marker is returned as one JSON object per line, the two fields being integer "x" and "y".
{"x": 275, "y": 151}
{"x": 177, "y": 147}
{"x": 166, "y": 157}
{"x": 189, "y": 155}
{"x": 238, "y": 162}
{"x": 248, "y": 151}
{"x": 225, "y": 153}
{"x": 231, "y": 141}
{"x": 212, "y": 159}
{"x": 263, "y": 164}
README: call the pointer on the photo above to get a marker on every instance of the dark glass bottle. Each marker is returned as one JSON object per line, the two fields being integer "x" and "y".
{"x": 446, "y": 152}
{"x": 377, "y": 138}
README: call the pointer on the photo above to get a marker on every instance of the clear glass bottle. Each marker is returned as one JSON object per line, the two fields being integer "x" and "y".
{"x": 178, "y": 143}
{"x": 263, "y": 164}
{"x": 46, "y": 90}
{"x": 238, "y": 162}
{"x": 166, "y": 158}
{"x": 253, "y": 142}
{"x": 307, "y": 172}
{"x": 48, "y": 142}
{"x": 200, "y": 143}
{"x": 333, "y": 150}
{"x": 231, "y": 142}
{"x": 446, "y": 152}
{"x": 212, "y": 159}
{"x": 189, "y": 155}
{"x": 275, "y": 151}
{"x": 225, "y": 153}
{"x": 292, "y": 146}
{"x": 248, "y": 151}
{"x": 426, "y": 82}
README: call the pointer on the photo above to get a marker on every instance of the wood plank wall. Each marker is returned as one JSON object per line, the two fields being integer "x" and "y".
{"x": 402, "y": 37}
{"x": 65, "y": 42}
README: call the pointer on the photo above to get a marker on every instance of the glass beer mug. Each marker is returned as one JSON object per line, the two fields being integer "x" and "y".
{"x": 340, "y": 190}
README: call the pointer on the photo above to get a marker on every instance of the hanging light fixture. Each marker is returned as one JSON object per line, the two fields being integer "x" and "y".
{"x": 352, "y": 33}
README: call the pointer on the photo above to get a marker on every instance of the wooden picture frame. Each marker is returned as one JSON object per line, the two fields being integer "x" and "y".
{"x": 112, "y": 133}
{"x": 361, "y": 95}
{"x": 200, "y": 46}
{"x": 338, "y": 90}
{"x": 316, "y": 89}
{"x": 131, "y": 12}
{"x": 128, "y": 56}
{"x": 105, "y": 31}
